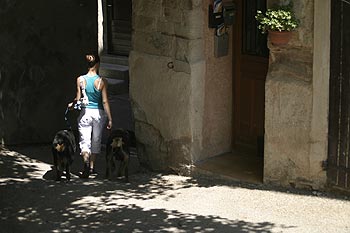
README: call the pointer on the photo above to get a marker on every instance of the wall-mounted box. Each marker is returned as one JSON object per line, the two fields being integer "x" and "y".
{"x": 215, "y": 19}
{"x": 221, "y": 45}
{"x": 229, "y": 13}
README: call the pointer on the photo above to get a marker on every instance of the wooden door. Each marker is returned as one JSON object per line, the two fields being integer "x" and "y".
{"x": 119, "y": 14}
{"x": 250, "y": 54}
{"x": 338, "y": 166}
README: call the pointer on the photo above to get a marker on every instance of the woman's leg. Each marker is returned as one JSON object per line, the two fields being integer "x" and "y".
{"x": 92, "y": 162}
{"x": 86, "y": 169}
{"x": 97, "y": 130}
{"x": 85, "y": 129}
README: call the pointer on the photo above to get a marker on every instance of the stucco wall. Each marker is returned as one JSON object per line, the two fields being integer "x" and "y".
{"x": 321, "y": 78}
{"x": 166, "y": 78}
{"x": 290, "y": 124}
{"x": 217, "y": 116}
{"x": 43, "y": 47}
{"x": 181, "y": 94}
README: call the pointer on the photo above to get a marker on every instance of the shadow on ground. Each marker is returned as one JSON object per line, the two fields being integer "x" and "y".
{"x": 30, "y": 203}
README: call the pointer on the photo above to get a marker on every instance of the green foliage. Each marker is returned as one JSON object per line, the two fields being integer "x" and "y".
{"x": 277, "y": 18}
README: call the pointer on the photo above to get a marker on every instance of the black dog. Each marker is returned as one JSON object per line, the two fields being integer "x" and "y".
{"x": 63, "y": 150}
{"x": 118, "y": 149}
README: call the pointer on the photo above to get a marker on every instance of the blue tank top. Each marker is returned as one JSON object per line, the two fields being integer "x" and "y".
{"x": 94, "y": 95}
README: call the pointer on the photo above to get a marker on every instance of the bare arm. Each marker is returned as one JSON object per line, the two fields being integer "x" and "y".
{"x": 78, "y": 94}
{"x": 106, "y": 103}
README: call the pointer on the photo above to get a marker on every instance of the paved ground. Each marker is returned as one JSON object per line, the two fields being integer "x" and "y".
{"x": 30, "y": 201}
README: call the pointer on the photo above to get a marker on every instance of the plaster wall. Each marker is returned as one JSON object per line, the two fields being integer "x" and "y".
{"x": 44, "y": 43}
{"x": 181, "y": 94}
{"x": 321, "y": 76}
{"x": 217, "y": 118}
{"x": 166, "y": 81}
{"x": 296, "y": 106}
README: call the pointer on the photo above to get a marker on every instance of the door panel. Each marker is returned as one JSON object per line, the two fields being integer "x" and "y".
{"x": 250, "y": 69}
{"x": 338, "y": 171}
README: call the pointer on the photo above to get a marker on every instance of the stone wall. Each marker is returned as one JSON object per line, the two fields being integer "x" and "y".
{"x": 321, "y": 79}
{"x": 43, "y": 46}
{"x": 288, "y": 105}
{"x": 166, "y": 70}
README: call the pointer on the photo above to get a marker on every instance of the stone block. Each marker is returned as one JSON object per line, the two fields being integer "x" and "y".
{"x": 169, "y": 89}
{"x": 180, "y": 66}
{"x": 172, "y": 15}
{"x": 166, "y": 27}
{"x": 191, "y": 27}
{"x": 149, "y": 135}
{"x": 190, "y": 51}
{"x": 171, "y": 4}
{"x": 144, "y": 23}
{"x": 157, "y": 161}
{"x": 149, "y": 8}
{"x": 296, "y": 63}
{"x": 154, "y": 43}
{"x": 287, "y": 129}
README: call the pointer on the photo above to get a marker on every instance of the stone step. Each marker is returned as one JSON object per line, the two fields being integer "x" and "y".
{"x": 122, "y": 36}
{"x": 117, "y": 86}
{"x": 121, "y": 28}
{"x": 121, "y": 49}
{"x": 114, "y": 71}
{"x": 122, "y": 42}
{"x": 122, "y": 23}
{"x": 113, "y": 59}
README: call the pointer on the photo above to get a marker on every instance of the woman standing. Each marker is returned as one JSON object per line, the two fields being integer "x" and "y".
{"x": 92, "y": 90}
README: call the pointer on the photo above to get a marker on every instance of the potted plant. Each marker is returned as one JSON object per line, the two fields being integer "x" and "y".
{"x": 279, "y": 21}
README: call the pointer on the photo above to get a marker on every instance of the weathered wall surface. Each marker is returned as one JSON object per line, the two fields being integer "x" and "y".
{"x": 288, "y": 106}
{"x": 217, "y": 133}
{"x": 166, "y": 78}
{"x": 181, "y": 94}
{"x": 43, "y": 47}
{"x": 321, "y": 79}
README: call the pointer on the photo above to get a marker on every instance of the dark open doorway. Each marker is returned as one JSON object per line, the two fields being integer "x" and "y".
{"x": 114, "y": 60}
{"x": 119, "y": 27}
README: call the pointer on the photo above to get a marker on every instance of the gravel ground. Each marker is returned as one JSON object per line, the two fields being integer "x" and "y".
{"x": 31, "y": 201}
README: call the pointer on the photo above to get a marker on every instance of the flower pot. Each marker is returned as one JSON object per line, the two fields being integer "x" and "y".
{"x": 279, "y": 38}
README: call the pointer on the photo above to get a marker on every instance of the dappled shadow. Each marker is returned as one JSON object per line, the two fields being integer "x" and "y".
{"x": 27, "y": 160}
{"x": 125, "y": 218}
{"x": 14, "y": 166}
{"x": 30, "y": 203}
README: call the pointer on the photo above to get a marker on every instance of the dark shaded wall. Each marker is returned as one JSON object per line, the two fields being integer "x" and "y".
{"x": 43, "y": 44}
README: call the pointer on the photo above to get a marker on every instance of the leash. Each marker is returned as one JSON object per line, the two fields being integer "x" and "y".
{"x": 66, "y": 119}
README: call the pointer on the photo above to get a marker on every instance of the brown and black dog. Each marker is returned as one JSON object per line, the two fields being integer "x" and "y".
{"x": 63, "y": 150}
{"x": 118, "y": 149}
